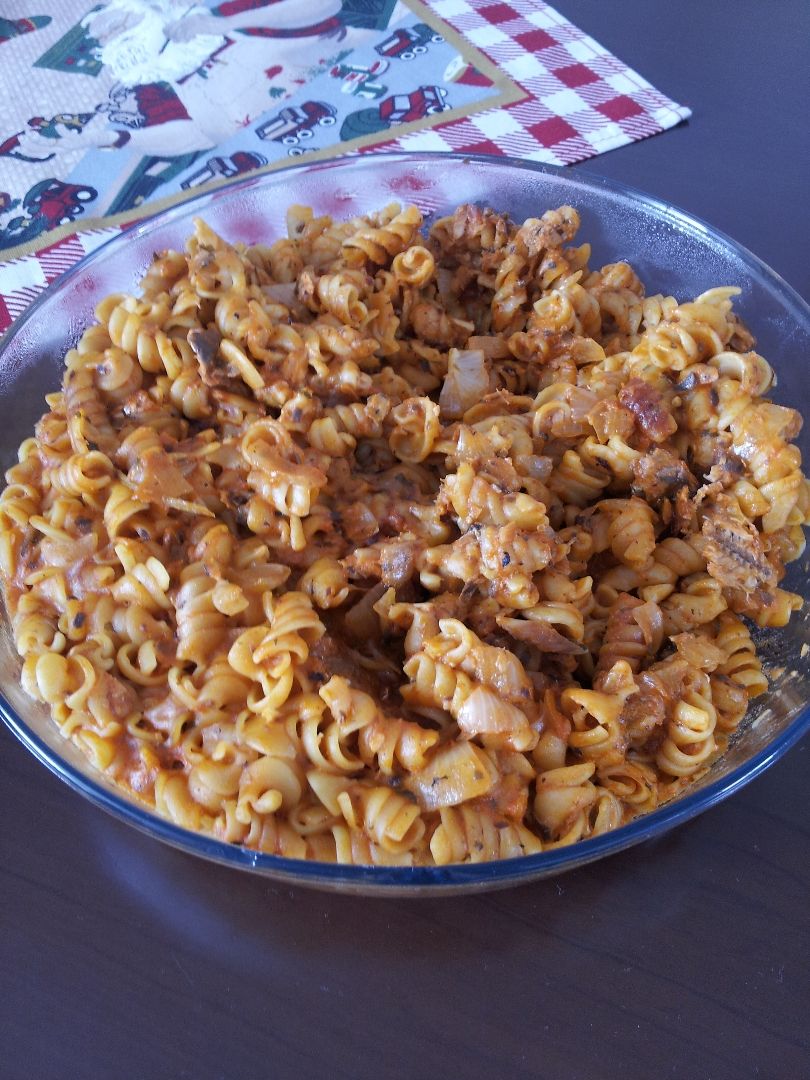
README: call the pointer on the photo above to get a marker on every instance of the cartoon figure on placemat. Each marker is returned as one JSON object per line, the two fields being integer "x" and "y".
{"x": 156, "y": 120}
{"x": 360, "y": 80}
{"x": 11, "y": 28}
{"x": 144, "y": 106}
{"x": 421, "y": 102}
{"x": 44, "y": 138}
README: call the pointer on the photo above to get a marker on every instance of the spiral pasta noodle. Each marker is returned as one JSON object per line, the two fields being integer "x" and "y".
{"x": 384, "y": 545}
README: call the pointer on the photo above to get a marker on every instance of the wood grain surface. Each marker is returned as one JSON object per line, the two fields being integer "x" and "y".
{"x": 687, "y": 957}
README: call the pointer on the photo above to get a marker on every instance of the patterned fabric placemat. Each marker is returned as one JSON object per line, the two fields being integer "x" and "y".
{"x": 133, "y": 105}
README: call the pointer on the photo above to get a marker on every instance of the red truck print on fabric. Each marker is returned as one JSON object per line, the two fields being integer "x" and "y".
{"x": 404, "y": 108}
{"x": 408, "y": 43}
{"x": 46, "y": 205}
{"x": 240, "y": 162}
{"x": 297, "y": 123}
{"x": 57, "y": 203}
{"x": 397, "y": 109}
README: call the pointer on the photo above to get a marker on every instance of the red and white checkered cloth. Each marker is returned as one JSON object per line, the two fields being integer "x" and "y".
{"x": 580, "y": 101}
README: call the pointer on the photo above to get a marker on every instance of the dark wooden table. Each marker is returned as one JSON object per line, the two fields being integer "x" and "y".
{"x": 688, "y": 957}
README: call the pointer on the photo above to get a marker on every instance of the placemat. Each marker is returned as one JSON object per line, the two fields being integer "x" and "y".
{"x": 113, "y": 111}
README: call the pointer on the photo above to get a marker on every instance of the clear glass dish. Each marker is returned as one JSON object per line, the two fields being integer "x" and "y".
{"x": 672, "y": 252}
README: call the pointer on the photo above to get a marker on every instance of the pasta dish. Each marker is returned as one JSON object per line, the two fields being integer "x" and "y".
{"x": 402, "y": 546}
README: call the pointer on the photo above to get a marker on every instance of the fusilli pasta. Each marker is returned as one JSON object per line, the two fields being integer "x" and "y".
{"x": 403, "y": 547}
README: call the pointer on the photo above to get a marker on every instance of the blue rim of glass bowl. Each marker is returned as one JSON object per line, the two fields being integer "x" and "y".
{"x": 454, "y": 878}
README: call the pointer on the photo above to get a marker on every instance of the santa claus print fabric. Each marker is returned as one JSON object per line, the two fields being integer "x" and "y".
{"x": 113, "y": 110}
{"x": 131, "y": 100}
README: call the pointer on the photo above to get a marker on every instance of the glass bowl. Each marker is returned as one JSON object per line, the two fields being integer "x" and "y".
{"x": 673, "y": 253}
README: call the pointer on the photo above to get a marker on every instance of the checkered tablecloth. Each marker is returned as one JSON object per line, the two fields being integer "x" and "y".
{"x": 579, "y": 101}
{"x": 564, "y": 99}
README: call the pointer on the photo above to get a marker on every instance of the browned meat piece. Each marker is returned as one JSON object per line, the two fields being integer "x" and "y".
{"x": 394, "y": 563}
{"x": 502, "y": 474}
{"x": 647, "y": 405}
{"x": 659, "y": 687}
{"x": 733, "y": 549}
{"x": 661, "y": 474}
{"x": 546, "y": 234}
{"x": 471, "y": 229}
{"x": 555, "y": 228}
{"x": 642, "y": 714}
{"x": 330, "y": 656}
{"x": 509, "y": 549}
{"x": 432, "y": 323}
{"x": 205, "y": 345}
{"x": 683, "y": 519}
{"x": 610, "y": 418}
{"x": 727, "y": 468}
{"x": 704, "y": 449}
{"x": 214, "y": 371}
{"x": 698, "y": 375}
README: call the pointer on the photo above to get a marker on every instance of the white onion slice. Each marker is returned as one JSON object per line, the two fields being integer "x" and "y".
{"x": 458, "y": 772}
{"x": 466, "y": 382}
{"x": 484, "y": 713}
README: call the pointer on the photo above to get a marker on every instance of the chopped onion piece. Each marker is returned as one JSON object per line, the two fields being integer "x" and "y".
{"x": 698, "y": 651}
{"x": 540, "y": 634}
{"x": 485, "y": 713}
{"x": 282, "y": 291}
{"x": 650, "y": 620}
{"x": 466, "y": 382}
{"x": 454, "y": 774}
{"x": 581, "y": 401}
